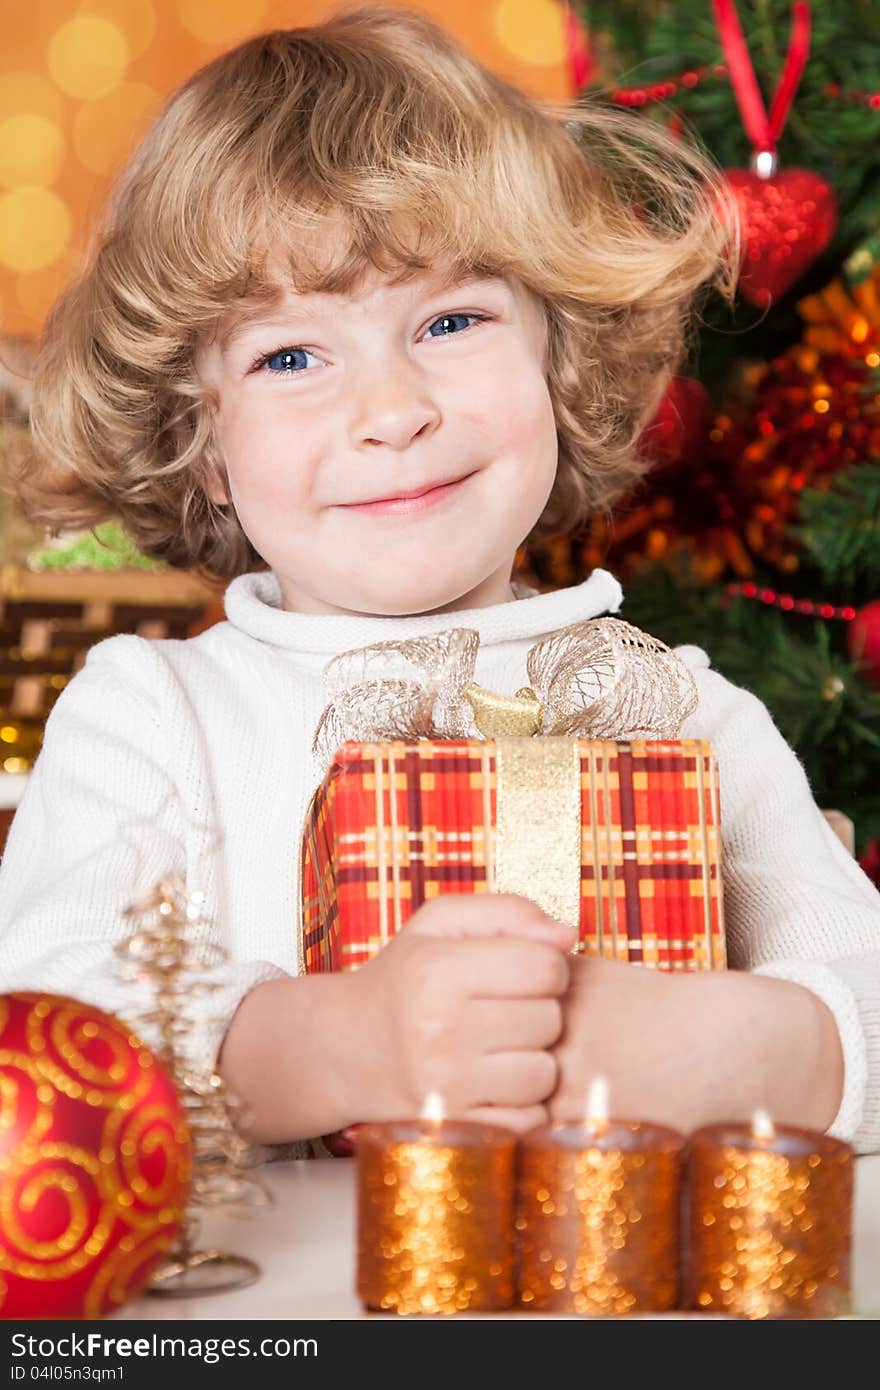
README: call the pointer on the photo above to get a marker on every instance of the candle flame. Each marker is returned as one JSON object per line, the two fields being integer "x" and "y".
{"x": 762, "y": 1127}
{"x": 433, "y": 1109}
{"x": 596, "y": 1109}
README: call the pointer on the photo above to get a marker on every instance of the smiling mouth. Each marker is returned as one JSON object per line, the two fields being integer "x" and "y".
{"x": 414, "y": 503}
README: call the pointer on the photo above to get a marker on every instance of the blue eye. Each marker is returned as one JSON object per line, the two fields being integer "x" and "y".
{"x": 286, "y": 357}
{"x": 447, "y": 318}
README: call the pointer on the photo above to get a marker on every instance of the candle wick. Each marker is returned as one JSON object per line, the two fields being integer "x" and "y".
{"x": 763, "y": 1129}
{"x": 433, "y": 1110}
{"x": 596, "y": 1116}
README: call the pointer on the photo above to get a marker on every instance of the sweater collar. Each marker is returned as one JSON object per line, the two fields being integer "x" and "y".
{"x": 253, "y": 605}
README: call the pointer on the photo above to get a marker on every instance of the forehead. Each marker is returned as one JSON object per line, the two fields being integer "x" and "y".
{"x": 277, "y": 298}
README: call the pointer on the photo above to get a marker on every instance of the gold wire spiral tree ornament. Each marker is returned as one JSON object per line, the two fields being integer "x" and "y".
{"x": 165, "y": 952}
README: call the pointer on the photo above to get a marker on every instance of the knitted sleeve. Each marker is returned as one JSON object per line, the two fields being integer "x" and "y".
{"x": 118, "y": 798}
{"x": 797, "y": 905}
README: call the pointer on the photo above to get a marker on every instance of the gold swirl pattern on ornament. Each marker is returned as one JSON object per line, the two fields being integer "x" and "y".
{"x": 81, "y": 1248}
{"x": 8, "y": 1103}
{"x": 10, "y": 1095}
{"x": 37, "y": 1184}
{"x": 73, "y": 1085}
{"x": 127, "y": 1188}
{"x": 68, "y": 1035}
{"x": 68, "y": 1031}
{"x": 114, "y": 1282}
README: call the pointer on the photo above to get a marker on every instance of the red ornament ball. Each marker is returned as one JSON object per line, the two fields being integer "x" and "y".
{"x": 870, "y": 861}
{"x": 679, "y": 430}
{"x": 863, "y": 640}
{"x": 787, "y": 221}
{"x": 95, "y": 1160}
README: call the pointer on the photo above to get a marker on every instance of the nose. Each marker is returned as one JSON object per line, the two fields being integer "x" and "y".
{"x": 391, "y": 404}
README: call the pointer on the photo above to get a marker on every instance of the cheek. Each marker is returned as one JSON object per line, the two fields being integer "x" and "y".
{"x": 268, "y": 466}
{"x": 526, "y": 422}
{"x": 512, "y": 396}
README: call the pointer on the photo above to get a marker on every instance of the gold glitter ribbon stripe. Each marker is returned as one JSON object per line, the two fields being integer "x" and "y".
{"x": 538, "y": 819}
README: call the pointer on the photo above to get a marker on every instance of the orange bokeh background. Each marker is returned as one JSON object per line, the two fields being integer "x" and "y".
{"x": 80, "y": 81}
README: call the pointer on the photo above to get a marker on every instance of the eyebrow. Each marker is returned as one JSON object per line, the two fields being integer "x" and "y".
{"x": 306, "y": 311}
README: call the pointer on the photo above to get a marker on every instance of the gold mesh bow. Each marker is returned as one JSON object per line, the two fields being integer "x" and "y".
{"x": 599, "y": 678}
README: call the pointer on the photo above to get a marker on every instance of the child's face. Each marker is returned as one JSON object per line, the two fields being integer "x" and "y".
{"x": 368, "y": 396}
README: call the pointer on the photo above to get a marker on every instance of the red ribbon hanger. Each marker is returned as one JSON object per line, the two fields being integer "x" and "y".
{"x": 580, "y": 62}
{"x": 763, "y": 130}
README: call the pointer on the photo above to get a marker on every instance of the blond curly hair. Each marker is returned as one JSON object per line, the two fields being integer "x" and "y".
{"x": 378, "y": 122}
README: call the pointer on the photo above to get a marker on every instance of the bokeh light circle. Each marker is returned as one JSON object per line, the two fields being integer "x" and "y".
{"x": 224, "y": 25}
{"x": 87, "y": 56}
{"x": 106, "y": 130}
{"x": 31, "y": 150}
{"x": 532, "y": 30}
{"x": 37, "y": 290}
{"x": 22, "y": 91}
{"x": 136, "y": 19}
{"x": 34, "y": 228}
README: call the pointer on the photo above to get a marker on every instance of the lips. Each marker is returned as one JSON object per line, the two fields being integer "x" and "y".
{"x": 405, "y": 496}
{"x": 417, "y": 501}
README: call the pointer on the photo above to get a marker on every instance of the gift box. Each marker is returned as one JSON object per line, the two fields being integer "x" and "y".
{"x": 620, "y": 837}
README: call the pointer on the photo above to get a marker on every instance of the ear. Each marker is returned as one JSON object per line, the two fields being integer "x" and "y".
{"x": 209, "y": 468}
{"x": 215, "y": 490}
{"x": 211, "y": 474}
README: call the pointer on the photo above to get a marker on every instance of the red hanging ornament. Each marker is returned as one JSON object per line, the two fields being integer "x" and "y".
{"x": 863, "y": 640}
{"x": 787, "y": 218}
{"x": 681, "y": 426}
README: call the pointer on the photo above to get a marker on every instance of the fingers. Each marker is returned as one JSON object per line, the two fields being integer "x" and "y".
{"x": 458, "y": 915}
{"x": 513, "y": 1078}
{"x": 519, "y": 1119}
{"x": 504, "y": 1025}
{"x": 513, "y": 969}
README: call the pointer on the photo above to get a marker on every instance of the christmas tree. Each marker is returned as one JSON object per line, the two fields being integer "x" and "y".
{"x": 756, "y": 532}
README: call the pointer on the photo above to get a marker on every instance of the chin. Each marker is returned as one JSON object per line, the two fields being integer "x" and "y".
{"x": 408, "y": 603}
{"x": 401, "y": 608}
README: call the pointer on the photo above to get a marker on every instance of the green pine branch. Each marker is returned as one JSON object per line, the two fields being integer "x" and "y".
{"x": 839, "y": 530}
{"x": 825, "y": 709}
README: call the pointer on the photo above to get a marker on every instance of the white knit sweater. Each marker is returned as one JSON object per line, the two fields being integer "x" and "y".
{"x": 196, "y": 756}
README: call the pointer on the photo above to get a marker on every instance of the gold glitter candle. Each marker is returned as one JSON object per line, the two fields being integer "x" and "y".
{"x": 598, "y": 1217}
{"x": 770, "y": 1221}
{"x": 435, "y": 1216}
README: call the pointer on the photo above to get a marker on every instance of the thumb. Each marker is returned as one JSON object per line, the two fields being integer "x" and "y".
{"x": 473, "y": 915}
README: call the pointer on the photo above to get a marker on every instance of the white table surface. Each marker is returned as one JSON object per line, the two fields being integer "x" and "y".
{"x": 305, "y": 1246}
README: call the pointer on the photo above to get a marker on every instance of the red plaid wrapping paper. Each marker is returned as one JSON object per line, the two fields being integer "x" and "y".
{"x": 394, "y": 824}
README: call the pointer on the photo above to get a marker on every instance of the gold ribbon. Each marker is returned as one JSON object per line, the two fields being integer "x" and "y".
{"x": 538, "y": 823}
{"x": 600, "y": 678}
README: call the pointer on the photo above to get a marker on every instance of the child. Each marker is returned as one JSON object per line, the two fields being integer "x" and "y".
{"x": 348, "y": 263}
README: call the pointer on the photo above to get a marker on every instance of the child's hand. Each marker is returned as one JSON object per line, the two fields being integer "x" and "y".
{"x": 619, "y": 1022}
{"x": 695, "y": 1048}
{"x": 465, "y": 1001}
